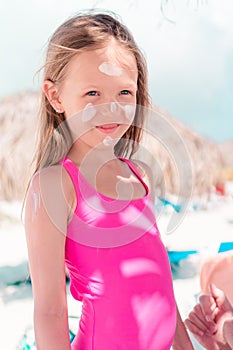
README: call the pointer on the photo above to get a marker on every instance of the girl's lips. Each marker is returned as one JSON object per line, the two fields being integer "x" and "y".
{"x": 107, "y": 128}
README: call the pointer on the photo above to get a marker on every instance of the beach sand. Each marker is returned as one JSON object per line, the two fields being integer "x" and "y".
{"x": 200, "y": 230}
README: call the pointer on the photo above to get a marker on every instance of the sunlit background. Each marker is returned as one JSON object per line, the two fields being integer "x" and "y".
{"x": 189, "y": 49}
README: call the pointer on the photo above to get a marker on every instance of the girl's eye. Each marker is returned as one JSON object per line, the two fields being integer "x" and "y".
{"x": 125, "y": 92}
{"x": 91, "y": 93}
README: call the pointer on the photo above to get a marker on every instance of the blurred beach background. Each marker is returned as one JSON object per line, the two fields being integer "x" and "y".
{"x": 189, "y": 49}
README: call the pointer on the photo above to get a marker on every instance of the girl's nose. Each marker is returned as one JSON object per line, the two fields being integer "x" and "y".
{"x": 109, "y": 99}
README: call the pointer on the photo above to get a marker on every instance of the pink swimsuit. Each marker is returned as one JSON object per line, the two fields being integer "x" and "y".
{"x": 120, "y": 271}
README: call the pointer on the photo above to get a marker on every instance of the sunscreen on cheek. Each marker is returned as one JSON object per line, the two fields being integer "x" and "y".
{"x": 129, "y": 111}
{"x": 110, "y": 69}
{"x": 88, "y": 113}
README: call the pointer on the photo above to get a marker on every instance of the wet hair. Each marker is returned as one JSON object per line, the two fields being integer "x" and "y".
{"x": 85, "y": 31}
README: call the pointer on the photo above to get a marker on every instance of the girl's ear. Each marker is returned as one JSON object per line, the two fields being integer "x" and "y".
{"x": 51, "y": 92}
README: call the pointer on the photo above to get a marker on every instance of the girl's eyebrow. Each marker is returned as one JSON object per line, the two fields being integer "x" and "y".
{"x": 122, "y": 85}
{"x": 132, "y": 85}
{"x": 90, "y": 87}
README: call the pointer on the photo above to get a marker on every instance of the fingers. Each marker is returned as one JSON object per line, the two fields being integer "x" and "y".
{"x": 208, "y": 307}
{"x": 198, "y": 324}
{"x": 193, "y": 328}
{"x": 217, "y": 294}
{"x": 220, "y": 298}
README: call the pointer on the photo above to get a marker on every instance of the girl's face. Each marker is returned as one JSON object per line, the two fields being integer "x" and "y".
{"x": 98, "y": 93}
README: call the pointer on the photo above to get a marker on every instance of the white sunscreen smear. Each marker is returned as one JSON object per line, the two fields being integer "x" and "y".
{"x": 36, "y": 204}
{"x": 113, "y": 107}
{"x": 107, "y": 141}
{"x": 110, "y": 69}
{"x": 129, "y": 111}
{"x": 88, "y": 112}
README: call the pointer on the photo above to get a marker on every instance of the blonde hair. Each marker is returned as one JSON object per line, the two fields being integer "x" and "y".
{"x": 84, "y": 31}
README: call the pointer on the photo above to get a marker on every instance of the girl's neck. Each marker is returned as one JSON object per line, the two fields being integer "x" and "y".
{"x": 84, "y": 156}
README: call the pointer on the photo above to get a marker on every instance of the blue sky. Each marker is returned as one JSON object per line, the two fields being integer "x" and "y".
{"x": 190, "y": 55}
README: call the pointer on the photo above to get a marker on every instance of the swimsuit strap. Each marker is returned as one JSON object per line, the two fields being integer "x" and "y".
{"x": 70, "y": 167}
{"x": 134, "y": 169}
{"x": 72, "y": 170}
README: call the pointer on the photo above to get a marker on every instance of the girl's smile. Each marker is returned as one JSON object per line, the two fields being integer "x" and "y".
{"x": 107, "y": 128}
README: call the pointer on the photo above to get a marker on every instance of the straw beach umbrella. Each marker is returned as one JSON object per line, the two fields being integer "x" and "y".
{"x": 18, "y": 124}
{"x": 226, "y": 150}
{"x": 201, "y": 155}
{"x": 18, "y": 116}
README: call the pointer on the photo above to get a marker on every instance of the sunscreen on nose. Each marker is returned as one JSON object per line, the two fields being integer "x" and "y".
{"x": 110, "y": 69}
{"x": 113, "y": 107}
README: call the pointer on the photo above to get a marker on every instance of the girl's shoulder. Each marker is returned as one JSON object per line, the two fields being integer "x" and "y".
{"x": 54, "y": 182}
{"x": 53, "y": 176}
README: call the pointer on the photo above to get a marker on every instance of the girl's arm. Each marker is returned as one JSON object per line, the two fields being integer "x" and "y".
{"x": 46, "y": 214}
{"x": 181, "y": 340}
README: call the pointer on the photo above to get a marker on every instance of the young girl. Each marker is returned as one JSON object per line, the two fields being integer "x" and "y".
{"x": 90, "y": 209}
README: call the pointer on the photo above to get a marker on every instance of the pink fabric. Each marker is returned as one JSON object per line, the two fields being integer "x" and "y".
{"x": 119, "y": 269}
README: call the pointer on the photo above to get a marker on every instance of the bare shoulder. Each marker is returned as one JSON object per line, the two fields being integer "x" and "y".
{"x": 53, "y": 185}
{"x": 54, "y": 176}
{"x": 146, "y": 174}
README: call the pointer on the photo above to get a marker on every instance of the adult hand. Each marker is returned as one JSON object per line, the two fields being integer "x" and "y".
{"x": 210, "y": 321}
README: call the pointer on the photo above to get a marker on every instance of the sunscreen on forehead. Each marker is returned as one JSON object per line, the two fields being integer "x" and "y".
{"x": 110, "y": 69}
{"x": 88, "y": 112}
